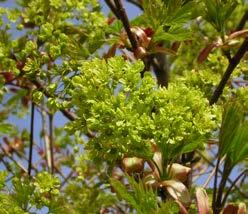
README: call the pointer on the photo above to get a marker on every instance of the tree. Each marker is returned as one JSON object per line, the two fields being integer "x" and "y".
{"x": 151, "y": 104}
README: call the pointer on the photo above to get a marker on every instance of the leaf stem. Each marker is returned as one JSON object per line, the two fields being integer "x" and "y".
{"x": 31, "y": 139}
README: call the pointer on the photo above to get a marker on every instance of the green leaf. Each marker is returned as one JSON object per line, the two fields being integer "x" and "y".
{"x": 231, "y": 122}
{"x": 6, "y": 128}
{"x": 3, "y": 175}
{"x": 174, "y": 34}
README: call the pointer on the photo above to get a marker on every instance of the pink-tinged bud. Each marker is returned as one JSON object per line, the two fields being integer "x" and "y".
{"x": 132, "y": 165}
{"x": 177, "y": 190}
{"x": 179, "y": 172}
{"x": 202, "y": 201}
{"x": 235, "y": 209}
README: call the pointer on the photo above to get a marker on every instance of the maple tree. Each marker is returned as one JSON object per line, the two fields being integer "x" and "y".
{"x": 106, "y": 114}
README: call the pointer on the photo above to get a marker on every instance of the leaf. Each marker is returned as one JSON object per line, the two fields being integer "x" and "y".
{"x": 3, "y": 176}
{"x": 177, "y": 190}
{"x": 169, "y": 207}
{"x": 181, "y": 15}
{"x": 235, "y": 208}
{"x": 202, "y": 201}
{"x": 239, "y": 150}
{"x": 6, "y": 128}
{"x": 231, "y": 121}
{"x": 124, "y": 194}
{"x": 218, "y": 12}
{"x": 174, "y": 34}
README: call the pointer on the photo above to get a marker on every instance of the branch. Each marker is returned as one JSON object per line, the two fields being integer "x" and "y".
{"x": 31, "y": 140}
{"x": 124, "y": 19}
{"x": 11, "y": 158}
{"x": 112, "y": 8}
{"x": 232, "y": 65}
{"x": 214, "y": 166}
{"x": 69, "y": 115}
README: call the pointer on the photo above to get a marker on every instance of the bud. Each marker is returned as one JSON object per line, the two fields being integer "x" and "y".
{"x": 235, "y": 208}
{"x": 140, "y": 52}
{"x": 132, "y": 165}
{"x": 179, "y": 172}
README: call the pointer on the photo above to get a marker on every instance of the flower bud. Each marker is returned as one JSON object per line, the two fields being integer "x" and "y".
{"x": 132, "y": 165}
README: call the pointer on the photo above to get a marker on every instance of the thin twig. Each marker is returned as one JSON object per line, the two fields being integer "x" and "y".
{"x": 215, "y": 183}
{"x": 232, "y": 185}
{"x": 67, "y": 178}
{"x": 11, "y": 158}
{"x": 6, "y": 164}
{"x": 212, "y": 174}
{"x": 229, "y": 180}
{"x": 31, "y": 139}
{"x": 232, "y": 65}
{"x": 69, "y": 115}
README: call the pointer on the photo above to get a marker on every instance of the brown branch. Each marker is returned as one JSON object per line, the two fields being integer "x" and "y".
{"x": 124, "y": 19}
{"x": 112, "y": 8}
{"x": 232, "y": 65}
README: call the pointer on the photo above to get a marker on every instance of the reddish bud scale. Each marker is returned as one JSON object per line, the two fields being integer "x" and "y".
{"x": 148, "y": 31}
{"x": 8, "y": 76}
{"x": 110, "y": 20}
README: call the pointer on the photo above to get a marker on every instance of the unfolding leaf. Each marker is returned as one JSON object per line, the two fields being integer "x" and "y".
{"x": 202, "y": 201}
{"x": 177, "y": 190}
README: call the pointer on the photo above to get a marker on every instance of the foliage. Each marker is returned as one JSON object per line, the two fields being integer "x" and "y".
{"x": 103, "y": 114}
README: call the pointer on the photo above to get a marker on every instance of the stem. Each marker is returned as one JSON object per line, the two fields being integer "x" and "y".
{"x": 31, "y": 140}
{"x": 112, "y": 8}
{"x": 215, "y": 183}
{"x": 226, "y": 172}
{"x": 232, "y": 65}
{"x": 51, "y": 141}
{"x": 230, "y": 188}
